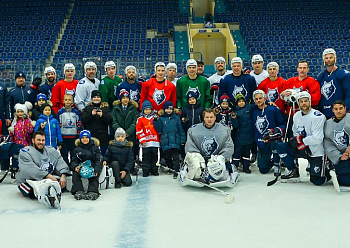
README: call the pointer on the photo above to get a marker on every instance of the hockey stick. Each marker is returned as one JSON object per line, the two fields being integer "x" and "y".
{"x": 334, "y": 180}
{"x": 270, "y": 183}
{"x": 3, "y": 178}
{"x": 138, "y": 166}
{"x": 229, "y": 198}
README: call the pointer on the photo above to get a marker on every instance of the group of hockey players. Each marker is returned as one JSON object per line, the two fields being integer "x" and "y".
{"x": 212, "y": 126}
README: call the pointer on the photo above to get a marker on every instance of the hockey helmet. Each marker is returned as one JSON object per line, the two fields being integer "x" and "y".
{"x": 171, "y": 65}
{"x": 49, "y": 69}
{"x": 329, "y": 51}
{"x": 158, "y": 64}
{"x": 109, "y": 64}
{"x": 272, "y": 64}
{"x": 237, "y": 60}
{"x": 257, "y": 58}
{"x": 303, "y": 94}
{"x": 220, "y": 59}
{"x": 191, "y": 62}
{"x": 68, "y": 66}
{"x": 90, "y": 64}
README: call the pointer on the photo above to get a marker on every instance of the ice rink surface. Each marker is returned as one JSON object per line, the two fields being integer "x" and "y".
{"x": 159, "y": 212}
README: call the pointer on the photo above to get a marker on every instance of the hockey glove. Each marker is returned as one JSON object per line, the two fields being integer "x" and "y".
{"x": 35, "y": 84}
{"x": 297, "y": 142}
{"x": 266, "y": 136}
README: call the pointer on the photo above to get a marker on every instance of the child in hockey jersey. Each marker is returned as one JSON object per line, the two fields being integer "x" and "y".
{"x": 172, "y": 136}
{"x": 40, "y": 100}
{"x": 149, "y": 140}
{"x": 242, "y": 121}
{"x": 22, "y": 126}
{"x": 192, "y": 113}
{"x": 70, "y": 123}
{"x": 87, "y": 152}
{"x": 50, "y": 127}
{"x": 120, "y": 158}
{"x": 223, "y": 111}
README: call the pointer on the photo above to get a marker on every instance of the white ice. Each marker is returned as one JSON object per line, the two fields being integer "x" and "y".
{"x": 158, "y": 212}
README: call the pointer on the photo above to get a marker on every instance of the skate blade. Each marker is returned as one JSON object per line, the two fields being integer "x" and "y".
{"x": 291, "y": 180}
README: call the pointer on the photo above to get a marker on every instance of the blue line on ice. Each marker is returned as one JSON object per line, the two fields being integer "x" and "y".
{"x": 135, "y": 217}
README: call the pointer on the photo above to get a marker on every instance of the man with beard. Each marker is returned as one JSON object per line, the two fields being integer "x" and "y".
{"x": 158, "y": 89}
{"x": 307, "y": 143}
{"x": 86, "y": 85}
{"x": 334, "y": 82}
{"x": 258, "y": 73}
{"x": 37, "y": 166}
{"x": 109, "y": 84}
{"x": 46, "y": 89}
{"x": 130, "y": 84}
{"x": 194, "y": 84}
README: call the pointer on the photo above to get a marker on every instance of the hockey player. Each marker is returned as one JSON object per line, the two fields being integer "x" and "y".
{"x": 171, "y": 70}
{"x": 193, "y": 84}
{"x": 37, "y": 166}
{"x": 258, "y": 73}
{"x": 67, "y": 85}
{"x": 158, "y": 90}
{"x": 130, "y": 84}
{"x": 269, "y": 129}
{"x": 50, "y": 74}
{"x": 86, "y": 85}
{"x": 336, "y": 142}
{"x": 307, "y": 142}
{"x": 237, "y": 82}
{"x": 273, "y": 86}
{"x": 109, "y": 83}
{"x": 334, "y": 82}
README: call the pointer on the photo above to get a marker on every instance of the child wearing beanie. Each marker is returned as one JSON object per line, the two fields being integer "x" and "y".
{"x": 119, "y": 157}
{"x": 87, "y": 152}
{"x": 224, "y": 111}
{"x": 149, "y": 140}
{"x": 192, "y": 113}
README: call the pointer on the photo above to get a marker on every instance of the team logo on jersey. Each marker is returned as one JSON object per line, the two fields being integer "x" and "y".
{"x": 68, "y": 123}
{"x": 102, "y": 82}
{"x": 71, "y": 92}
{"x": 46, "y": 165}
{"x": 272, "y": 95}
{"x": 209, "y": 145}
{"x": 29, "y": 91}
{"x": 158, "y": 96}
{"x": 301, "y": 131}
{"x": 134, "y": 95}
{"x": 341, "y": 138}
{"x": 328, "y": 89}
{"x": 300, "y": 89}
{"x": 193, "y": 92}
{"x": 261, "y": 124}
{"x": 239, "y": 89}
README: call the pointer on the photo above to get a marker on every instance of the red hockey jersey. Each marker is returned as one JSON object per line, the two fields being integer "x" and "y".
{"x": 146, "y": 132}
{"x": 59, "y": 90}
{"x": 273, "y": 89}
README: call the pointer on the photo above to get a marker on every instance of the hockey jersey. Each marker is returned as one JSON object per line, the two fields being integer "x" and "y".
{"x": 158, "y": 93}
{"x": 46, "y": 89}
{"x": 108, "y": 89}
{"x": 334, "y": 86}
{"x": 336, "y": 138}
{"x": 133, "y": 89}
{"x": 273, "y": 89}
{"x": 83, "y": 92}
{"x": 61, "y": 88}
{"x": 310, "y": 126}
{"x": 146, "y": 132}
{"x": 70, "y": 122}
{"x": 259, "y": 77}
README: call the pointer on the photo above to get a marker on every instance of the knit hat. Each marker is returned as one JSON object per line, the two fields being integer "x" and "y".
{"x": 119, "y": 131}
{"x": 95, "y": 93}
{"x": 122, "y": 93}
{"x": 238, "y": 97}
{"x": 20, "y": 74}
{"x": 146, "y": 104}
{"x": 22, "y": 107}
{"x": 168, "y": 104}
{"x": 44, "y": 106}
{"x": 189, "y": 95}
{"x": 41, "y": 96}
{"x": 85, "y": 133}
{"x": 224, "y": 98}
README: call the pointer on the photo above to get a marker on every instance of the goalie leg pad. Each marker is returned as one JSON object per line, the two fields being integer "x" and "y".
{"x": 195, "y": 163}
{"x": 47, "y": 191}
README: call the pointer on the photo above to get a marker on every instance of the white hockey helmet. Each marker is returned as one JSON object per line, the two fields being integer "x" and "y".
{"x": 329, "y": 51}
{"x": 171, "y": 65}
{"x": 257, "y": 58}
{"x": 256, "y": 92}
{"x": 90, "y": 64}
{"x": 130, "y": 67}
{"x": 49, "y": 69}
{"x": 158, "y": 64}
{"x": 191, "y": 62}
{"x": 303, "y": 94}
{"x": 237, "y": 60}
{"x": 220, "y": 59}
{"x": 109, "y": 64}
{"x": 68, "y": 66}
{"x": 272, "y": 64}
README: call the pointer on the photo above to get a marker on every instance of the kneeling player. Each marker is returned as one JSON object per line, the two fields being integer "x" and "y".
{"x": 307, "y": 142}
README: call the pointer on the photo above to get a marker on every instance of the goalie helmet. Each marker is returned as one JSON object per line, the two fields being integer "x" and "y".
{"x": 257, "y": 58}
{"x": 329, "y": 51}
{"x": 171, "y": 65}
{"x": 109, "y": 64}
{"x": 272, "y": 64}
{"x": 158, "y": 64}
{"x": 49, "y": 69}
{"x": 68, "y": 66}
{"x": 259, "y": 92}
{"x": 304, "y": 94}
{"x": 237, "y": 60}
{"x": 191, "y": 62}
{"x": 220, "y": 59}
{"x": 90, "y": 64}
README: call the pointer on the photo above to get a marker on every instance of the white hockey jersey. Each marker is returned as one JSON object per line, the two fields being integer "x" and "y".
{"x": 83, "y": 92}
{"x": 259, "y": 77}
{"x": 311, "y": 127}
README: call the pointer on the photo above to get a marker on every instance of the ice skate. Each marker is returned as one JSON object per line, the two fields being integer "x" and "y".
{"x": 291, "y": 176}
